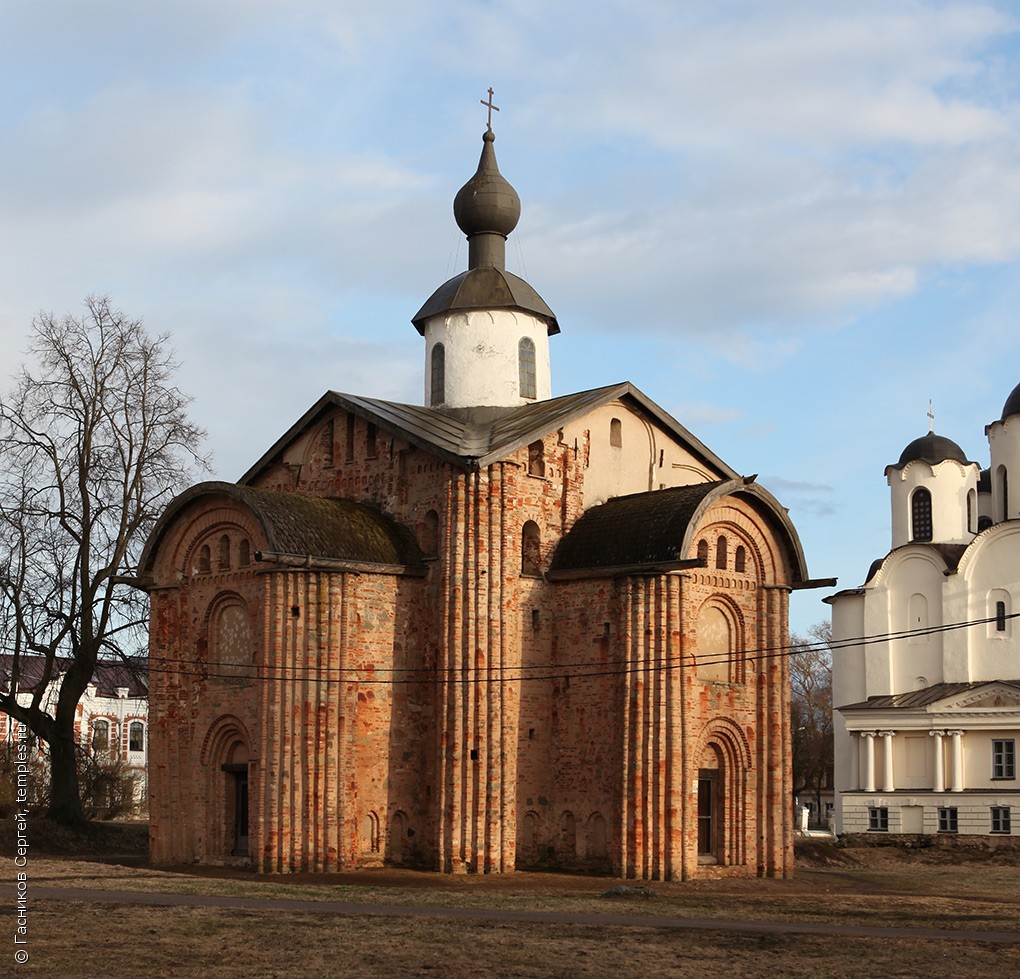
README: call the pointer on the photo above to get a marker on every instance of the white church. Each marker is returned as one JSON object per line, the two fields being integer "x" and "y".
{"x": 926, "y": 661}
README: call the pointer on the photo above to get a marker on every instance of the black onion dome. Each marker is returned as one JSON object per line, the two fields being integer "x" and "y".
{"x": 933, "y": 449}
{"x": 487, "y": 202}
{"x": 1012, "y": 405}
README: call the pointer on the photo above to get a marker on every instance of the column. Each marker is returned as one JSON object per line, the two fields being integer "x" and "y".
{"x": 939, "y": 782}
{"x": 888, "y": 784}
{"x": 869, "y": 760}
{"x": 855, "y": 761}
{"x": 956, "y": 778}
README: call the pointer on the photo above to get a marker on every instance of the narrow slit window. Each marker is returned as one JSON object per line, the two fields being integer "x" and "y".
{"x": 616, "y": 433}
{"x": 438, "y": 386}
{"x": 526, "y": 361}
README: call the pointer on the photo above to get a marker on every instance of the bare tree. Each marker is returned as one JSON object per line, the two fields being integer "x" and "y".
{"x": 811, "y": 712}
{"x": 94, "y": 441}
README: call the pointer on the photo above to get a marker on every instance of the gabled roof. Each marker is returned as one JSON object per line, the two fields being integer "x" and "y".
{"x": 927, "y": 696}
{"x": 471, "y": 438}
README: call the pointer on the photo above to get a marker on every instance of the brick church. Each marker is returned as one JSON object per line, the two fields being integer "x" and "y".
{"x": 498, "y": 631}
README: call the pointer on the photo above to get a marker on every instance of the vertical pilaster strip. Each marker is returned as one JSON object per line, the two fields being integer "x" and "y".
{"x": 761, "y": 756}
{"x": 786, "y": 790}
{"x": 776, "y": 762}
{"x": 477, "y": 657}
{"x": 622, "y": 842}
{"x": 347, "y": 702}
{"x": 509, "y": 677}
{"x": 442, "y": 687}
{"x": 645, "y": 831}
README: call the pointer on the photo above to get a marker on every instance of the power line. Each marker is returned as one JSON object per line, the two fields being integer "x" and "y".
{"x": 520, "y": 673}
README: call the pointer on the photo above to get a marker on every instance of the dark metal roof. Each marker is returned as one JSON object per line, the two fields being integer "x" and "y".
{"x": 486, "y": 209}
{"x": 654, "y": 531}
{"x": 108, "y": 676}
{"x": 1012, "y": 405}
{"x": 926, "y": 695}
{"x": 640, "y": 529}
{"x": 485, "y": 288}
{"x": 473, "y": 437}
{"x": 933, "y": 449}
{"x": 308, "y": 526}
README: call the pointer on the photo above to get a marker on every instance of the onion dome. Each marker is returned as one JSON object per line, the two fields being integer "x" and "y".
{"x": 1012, "y": 405}
{"x": 933, "y": 449}
{"x": 487, "y": 203}
{"x": 486, "y": 209}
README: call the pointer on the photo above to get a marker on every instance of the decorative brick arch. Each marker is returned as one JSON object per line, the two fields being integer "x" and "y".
{"x": 223, "y": 735}
{"x": 733, "y": 668}
{"x": 724, "y": 759}
{"x": 226, "y": 759}
{"x": 229, "y": 637}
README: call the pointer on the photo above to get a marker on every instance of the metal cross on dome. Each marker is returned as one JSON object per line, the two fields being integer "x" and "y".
{"x": 491, "y": 107}
{"x": 931, "y": 417}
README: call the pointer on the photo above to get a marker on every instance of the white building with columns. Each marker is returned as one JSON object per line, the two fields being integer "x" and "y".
{"x": 926, "y": 654}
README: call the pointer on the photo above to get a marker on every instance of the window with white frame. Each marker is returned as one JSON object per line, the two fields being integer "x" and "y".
{"x": 136, "y": 736}
{"x": 948, "y": 819}
{"x": 878, "y": 819}
{"x": 1000, "y": 819}
{"x": 1003, "y": 758}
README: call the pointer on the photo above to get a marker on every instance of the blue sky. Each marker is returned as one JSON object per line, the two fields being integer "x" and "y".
{"x": 789, "y": 223}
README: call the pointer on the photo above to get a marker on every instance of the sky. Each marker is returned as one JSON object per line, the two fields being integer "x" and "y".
{"x": 790, "y": 224}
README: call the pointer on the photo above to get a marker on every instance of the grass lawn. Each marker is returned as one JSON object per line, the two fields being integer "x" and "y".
{"x": 941, "y": 889}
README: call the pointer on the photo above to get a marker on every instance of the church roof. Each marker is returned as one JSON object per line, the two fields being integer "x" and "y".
{"x": 933, "y": 449}
{"x": 926, "y": 696}
{"x": 1012, "y": 405}
{"x": 654, "y": 531}
{"x": 951, "y": 554}
{"x": 484, "y": 288}
{"x": 486, "y": 209}
{"x": 636, "y": 530}
{"x": 471, "y": 438}
{"x": 305, "y": 526}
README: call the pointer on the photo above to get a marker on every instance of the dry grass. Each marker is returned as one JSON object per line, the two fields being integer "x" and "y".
{"x": 977, "y": 891}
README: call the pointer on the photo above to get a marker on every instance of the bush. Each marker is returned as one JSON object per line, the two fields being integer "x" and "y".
{"x": 38, "y": 782}
{"x": 107, "y": 785}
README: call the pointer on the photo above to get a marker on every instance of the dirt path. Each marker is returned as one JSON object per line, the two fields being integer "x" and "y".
{"x": 345, "y": 909}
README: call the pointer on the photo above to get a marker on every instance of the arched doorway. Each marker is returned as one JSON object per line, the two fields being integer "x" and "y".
{"x": 227, "y": 762}
{"x": 720, "y": 796}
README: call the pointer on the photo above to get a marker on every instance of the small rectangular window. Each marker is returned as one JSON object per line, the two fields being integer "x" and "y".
{"x": 948, "y": 822}
{"x": 878, "y": 819}
{"x": 1000, "y": 819}
{"x": 1003, "y": 758}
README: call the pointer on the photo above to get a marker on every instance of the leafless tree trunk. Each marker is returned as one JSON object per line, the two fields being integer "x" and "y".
{"x": 94, "y": 441}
